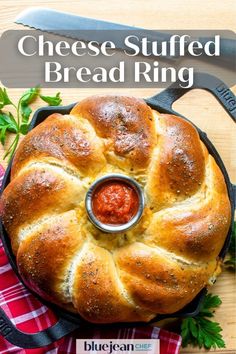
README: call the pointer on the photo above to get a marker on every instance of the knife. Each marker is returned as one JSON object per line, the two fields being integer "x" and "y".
{"x": 73, "y": 26}
{"x": 69, "y": 25}
{"x": 57, "y": 22}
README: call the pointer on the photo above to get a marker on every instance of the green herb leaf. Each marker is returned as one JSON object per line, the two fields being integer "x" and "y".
{"x": 25, "y": 113}
{"x": 24, "y": 128}
{"x": 4, "y": 98}
{"x": 7, "y": 120}
{"x": 210, "y": 302}
{"x": 200, "y": 331}
{"x": 52, "y": 100}
{"x": 20, "y": 125}
{"x": 29, "y": 96}
{"x": 3, "y": 134}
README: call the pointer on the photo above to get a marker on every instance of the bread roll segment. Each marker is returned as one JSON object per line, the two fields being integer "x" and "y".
{"x": 65, "y": 140}
{"x": 45, "y": 256}
{"x": 126, "y": 121}
{"x": 177, "y": 169}
{"x": 98, "y": 293}
{"x": 194, "y": 228}
{"x": 40, "y": 191}
{"x": 158, "y": 266}
{"x": 159, "y": 281}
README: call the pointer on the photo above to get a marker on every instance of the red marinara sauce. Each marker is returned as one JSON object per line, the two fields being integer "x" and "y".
{"x": 115, "y": 203}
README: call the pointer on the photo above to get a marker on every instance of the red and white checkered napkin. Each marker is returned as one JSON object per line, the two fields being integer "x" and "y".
{"x": 30, "y": 315}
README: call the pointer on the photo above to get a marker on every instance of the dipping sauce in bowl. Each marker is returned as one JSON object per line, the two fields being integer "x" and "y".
{"x": 115, "y": 203}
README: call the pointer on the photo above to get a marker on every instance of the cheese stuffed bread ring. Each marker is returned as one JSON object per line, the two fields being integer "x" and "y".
{"x": 158, "y": 265}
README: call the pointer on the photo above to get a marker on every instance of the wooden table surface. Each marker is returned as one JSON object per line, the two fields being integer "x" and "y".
{"x": 198, "y": 105}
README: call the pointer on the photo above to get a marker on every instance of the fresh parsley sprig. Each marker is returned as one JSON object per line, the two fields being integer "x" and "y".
{"x": 230, "y": 261}
{"x": 200, "y": 330}
{"x": 52, "y": 101}
{"x": 19, "y": 124}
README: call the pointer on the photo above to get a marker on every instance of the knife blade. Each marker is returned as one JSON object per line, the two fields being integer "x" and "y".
{"x": 69, "y": 25}
{"x": 65, "y": 23}
{"x": 48, "y": 19}
{"x": 77, "y": 27}
{"x": 52, "y": 20}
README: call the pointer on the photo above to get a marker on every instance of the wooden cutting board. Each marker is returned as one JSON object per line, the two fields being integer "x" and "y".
{"x": 197, "y": 105}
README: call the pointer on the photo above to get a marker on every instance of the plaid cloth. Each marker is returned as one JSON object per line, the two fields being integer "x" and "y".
{"x": 30, "y": 315}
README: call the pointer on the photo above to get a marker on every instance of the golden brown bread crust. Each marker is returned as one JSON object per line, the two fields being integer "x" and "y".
{"x": 62, "y": 140}
{"x": 127, "y": 121}
{"x": 156, "y": 267}
{"x": 158, "y": 282}
{"x": 179, "y": 167}
{"x": 194, "y": 229}
{"x": 39, "y": 260}
{"x": 102, "y": 297}
{"x": 38, "y": 192}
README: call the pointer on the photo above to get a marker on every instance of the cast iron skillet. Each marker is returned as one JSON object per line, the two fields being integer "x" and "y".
{"x": 69, "y": 322}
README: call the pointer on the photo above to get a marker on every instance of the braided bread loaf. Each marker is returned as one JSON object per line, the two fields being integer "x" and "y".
{"x": 159, "y": 265}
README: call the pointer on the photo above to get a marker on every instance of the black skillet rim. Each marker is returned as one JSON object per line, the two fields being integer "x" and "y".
{"x": 190, "y": 309}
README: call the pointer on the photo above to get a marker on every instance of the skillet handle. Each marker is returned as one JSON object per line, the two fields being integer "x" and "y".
{"x": 204, "y": 81}
{"x": 35, "y": 340}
